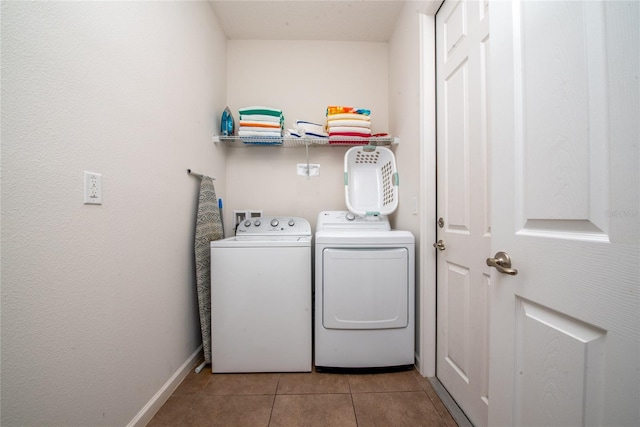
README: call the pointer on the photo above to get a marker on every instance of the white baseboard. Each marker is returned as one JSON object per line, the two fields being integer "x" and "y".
{"x": 156, "y": 402}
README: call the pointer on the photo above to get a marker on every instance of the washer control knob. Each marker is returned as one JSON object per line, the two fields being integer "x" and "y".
{"x": 257, "y": 223}
{"x": 291, "y": 222}
{"x": 350, "y": 216}
{"x": 274, "y": 222}
{"x": 247, "y": 223}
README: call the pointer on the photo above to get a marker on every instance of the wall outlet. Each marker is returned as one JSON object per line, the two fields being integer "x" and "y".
{"x": 414, "y": 205}
{"x": 92, "y": 188}
{"x": 238, "y": 217}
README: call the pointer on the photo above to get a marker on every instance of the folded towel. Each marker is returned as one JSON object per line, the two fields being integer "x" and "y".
{"x": 292, "y": 133}
{"x": 350, "y": 116}
{"x": 349, "y": 129}
{"x": 310, "y": 130}
{"x": 243, "y": 132}
{"x": 342, "y": 135}
{"x": 309, "y": 126}
{"x": 339, "y": 109}
{"x": 259, "y": 129}
{"x": 259, "y": 124}
{"x": 315, "y": 135}
{"x": 344, "y": 122}
{"x": 267, "y": 111}
{"x": 347, "y": 134}
{"x": 262, "y": 117}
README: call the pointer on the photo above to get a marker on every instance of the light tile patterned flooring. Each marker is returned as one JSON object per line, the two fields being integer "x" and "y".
{"x": 304, "y": 399}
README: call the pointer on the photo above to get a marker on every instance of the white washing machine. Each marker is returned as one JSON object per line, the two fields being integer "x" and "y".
{"x": 364, "y": 293}
{"x": 261, "y": 297}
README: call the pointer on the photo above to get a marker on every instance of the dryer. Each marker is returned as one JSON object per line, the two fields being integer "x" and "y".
{"x": 364, "y": 293}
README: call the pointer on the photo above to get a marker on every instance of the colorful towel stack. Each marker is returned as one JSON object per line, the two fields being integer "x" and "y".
{"x": 261, "y": 122}
{"x": 344, "y": 122}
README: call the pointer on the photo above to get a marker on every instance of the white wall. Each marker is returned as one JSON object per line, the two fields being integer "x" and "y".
{"x": 404, "y": 113}
{"x": 302, "y": 78}
{"x": 98, "y": 302}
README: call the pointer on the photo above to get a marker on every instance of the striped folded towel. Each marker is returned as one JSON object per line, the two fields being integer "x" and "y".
{"x": 259, "y": 124}
{"x": 310, "y": 130}
{"x": 292, "y": 133}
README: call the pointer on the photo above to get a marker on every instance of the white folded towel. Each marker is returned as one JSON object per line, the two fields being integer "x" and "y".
{"x": 352, "y": 116}
{"x": 345, "y": 122}
{"x": 260, "y": 130}
{"x": 272, "y": 119}
{"x": 349, "y": 129}
{"x": 254, "y": 133}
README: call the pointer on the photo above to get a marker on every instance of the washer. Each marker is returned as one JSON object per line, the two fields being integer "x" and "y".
{"x": 261, "y": 297}
{"x": 364, "y": 293}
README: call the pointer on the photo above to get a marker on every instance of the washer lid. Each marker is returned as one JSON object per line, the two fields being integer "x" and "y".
{"x": 276, "y": 227}
{"x": 345, "y": 220}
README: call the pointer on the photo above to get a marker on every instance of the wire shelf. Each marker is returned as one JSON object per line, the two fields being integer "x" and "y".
{"x": 292, "y": 142}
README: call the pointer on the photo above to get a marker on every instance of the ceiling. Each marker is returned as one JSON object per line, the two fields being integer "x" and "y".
{"x": 342, "y": 20}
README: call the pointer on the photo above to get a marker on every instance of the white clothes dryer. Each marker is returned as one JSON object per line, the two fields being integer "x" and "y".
{"x": 364, "y": 293}
{"x": 261, "y": 297}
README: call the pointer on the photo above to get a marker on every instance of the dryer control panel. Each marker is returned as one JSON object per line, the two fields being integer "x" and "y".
{"x": 345, "y": 220}
{"x": 276, "y": 226}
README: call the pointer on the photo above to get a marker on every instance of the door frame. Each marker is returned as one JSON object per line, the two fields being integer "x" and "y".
{"x": 426, "y": 363}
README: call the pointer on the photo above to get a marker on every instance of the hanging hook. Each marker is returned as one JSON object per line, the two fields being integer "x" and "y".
{"x": 199, "y": 175}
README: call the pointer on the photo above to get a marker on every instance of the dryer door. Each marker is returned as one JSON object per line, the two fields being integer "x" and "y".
{"x": 365, "y": 288}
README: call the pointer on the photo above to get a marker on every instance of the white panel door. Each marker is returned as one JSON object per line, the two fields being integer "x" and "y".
{"x": 565, "y": 331}
{"x": 462, "y": 46}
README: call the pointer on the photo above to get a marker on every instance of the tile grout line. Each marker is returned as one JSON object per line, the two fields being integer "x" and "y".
{"x": 273, "y": 402}
{"x": 353, "y": 404}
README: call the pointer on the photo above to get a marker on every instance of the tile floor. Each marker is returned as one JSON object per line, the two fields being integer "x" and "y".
{"x": 303, "y": 399}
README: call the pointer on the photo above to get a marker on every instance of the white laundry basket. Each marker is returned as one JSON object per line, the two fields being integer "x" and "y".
{"x": 370, "y": 180}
